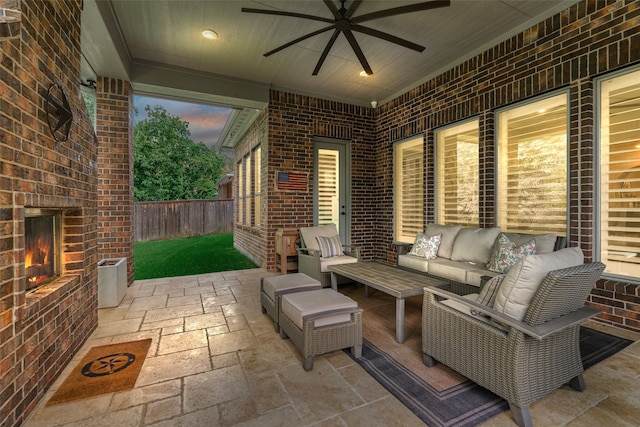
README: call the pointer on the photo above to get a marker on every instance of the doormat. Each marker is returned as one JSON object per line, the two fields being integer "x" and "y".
{"x": 105, "y": 369}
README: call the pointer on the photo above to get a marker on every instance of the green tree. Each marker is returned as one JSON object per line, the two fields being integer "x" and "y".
{"x": 167, "y": 164}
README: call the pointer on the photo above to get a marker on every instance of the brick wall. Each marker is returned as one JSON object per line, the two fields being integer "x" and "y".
{"x": 41, "y": 331}
{"x": 114, "y": 129}
{"x": 565, "y": 51}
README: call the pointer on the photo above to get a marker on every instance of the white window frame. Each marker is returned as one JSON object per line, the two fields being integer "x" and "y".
{"x": 257, "y": 185}
{"x": 402, "y": 230}
{"x": 621, "y": 255}
{"x": 555, "y": 219}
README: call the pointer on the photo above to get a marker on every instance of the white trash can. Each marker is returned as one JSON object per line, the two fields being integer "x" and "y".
{"x": 112, "y": 281}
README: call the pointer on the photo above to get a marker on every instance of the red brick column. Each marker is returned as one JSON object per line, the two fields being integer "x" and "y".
{"x": 114, "y": 129}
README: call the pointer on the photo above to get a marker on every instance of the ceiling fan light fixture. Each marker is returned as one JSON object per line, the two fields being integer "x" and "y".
{"x": 209, "y": 34}
{"x": 363, "y": 73}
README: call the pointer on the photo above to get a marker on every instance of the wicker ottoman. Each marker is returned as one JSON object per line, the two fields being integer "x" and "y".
{"x": 272, "y": 288}
{"x": 319, "y": 322}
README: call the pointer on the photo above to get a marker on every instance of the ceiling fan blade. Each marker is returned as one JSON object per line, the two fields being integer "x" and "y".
{"x": 290, "y": 14}
{"x": 356, "y": 49}
{"x": 352, "y": 9}
{"x": 334, "y": 10}
{"x": 325, "y": 52}
{"x": 388, "y": 37}
{"x": 401, "y": 10}
{"x": 299, "y": 39}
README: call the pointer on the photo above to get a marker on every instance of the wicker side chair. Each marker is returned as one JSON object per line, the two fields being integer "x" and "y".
{"x": 310, "y": 260}
{"x": 521, "y": 361}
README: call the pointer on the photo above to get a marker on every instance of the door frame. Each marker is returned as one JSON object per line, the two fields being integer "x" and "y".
{"x": 344, "y": 147}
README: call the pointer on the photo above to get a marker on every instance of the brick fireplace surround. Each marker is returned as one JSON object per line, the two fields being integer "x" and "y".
{"x": 86, "y": 178}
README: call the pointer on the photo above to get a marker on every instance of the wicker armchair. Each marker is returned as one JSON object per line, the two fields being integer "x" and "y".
{"x": 520, "y": 361}
{"x": 310, "y": 260}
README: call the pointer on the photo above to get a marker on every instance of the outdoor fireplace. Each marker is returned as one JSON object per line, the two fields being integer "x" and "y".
{"x": 42, "y": 246}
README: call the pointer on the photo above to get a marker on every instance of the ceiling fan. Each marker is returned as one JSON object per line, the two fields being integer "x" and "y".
{"x": 345, "y": 22}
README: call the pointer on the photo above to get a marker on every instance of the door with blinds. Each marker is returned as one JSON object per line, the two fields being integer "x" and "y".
{"x": 330, "y": 186}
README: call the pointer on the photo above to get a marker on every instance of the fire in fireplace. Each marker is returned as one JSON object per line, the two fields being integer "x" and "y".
{"x": 42, "y": 246}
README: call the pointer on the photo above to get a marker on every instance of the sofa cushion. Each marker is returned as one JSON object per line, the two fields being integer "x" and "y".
{"x": 545, "y": 243}
{"x": 452, "y": 270}
{"x": 506, "y": 253}
{"x": 474, "y": 277}
{"x": 523, "y": 279}
{"x": 414, "y": 262}
{"x": 474, "y": 244}
{"x": 308, "y": 235}
{"x": 330, "y": 246}
{"x": 426, "y": 246}
{"x": 448, "y": 232}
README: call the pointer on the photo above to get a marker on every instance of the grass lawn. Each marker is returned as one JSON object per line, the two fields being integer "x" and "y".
{"x": 187, "y": 256}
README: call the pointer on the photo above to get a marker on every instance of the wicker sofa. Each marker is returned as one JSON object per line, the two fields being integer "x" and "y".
{"x": 520, "y": 351}
{"x": 464, "y": 253}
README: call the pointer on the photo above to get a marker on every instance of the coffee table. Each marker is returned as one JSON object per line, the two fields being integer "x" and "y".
{"x": 394, "y": 281}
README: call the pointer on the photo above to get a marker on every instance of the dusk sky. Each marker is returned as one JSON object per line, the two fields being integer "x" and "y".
{"x": 205, "y": 121}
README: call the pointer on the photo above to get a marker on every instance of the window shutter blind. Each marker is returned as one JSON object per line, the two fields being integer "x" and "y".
{"x": 257, "y": 184}
{"x": 409, "y": 189}
{"x": 532, "y": 170}
{"x": 328, "y": 187}
{"x": 247, "y": 190}
{"x": 458, "y": 174}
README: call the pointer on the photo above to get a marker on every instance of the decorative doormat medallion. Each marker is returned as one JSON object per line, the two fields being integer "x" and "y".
{"x": 105, "y": 369}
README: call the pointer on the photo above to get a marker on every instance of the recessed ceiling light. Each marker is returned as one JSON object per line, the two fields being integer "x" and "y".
{"x": 209, "y": 34}
{"x": 363, "y": 73}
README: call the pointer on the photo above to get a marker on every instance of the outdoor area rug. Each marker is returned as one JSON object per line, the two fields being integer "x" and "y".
{"x": 104, "y": 369}
{"x": 464, "y": 403}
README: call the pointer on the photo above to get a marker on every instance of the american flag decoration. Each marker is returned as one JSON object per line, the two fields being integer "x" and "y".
{"x": 290, "y": 181}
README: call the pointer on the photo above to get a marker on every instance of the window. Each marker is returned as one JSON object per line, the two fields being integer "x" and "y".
{"x": 257, "y": 186}
{"x": 458, "y": 174}
{"x": 408, "y": 200}
{"x": 620, "y": 174}
{"x": 532, "y": 167}
{"x": 240, "y": 199}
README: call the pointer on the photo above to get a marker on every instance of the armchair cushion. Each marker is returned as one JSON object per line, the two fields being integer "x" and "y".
{"x": 506, "y": 253}
{"x": 426, "y": 246}
{"x": 308, "y": 235}
{"x": 523, "y": 279}
{"x": 474, "y": 244}
{"x": 330, "y": 246}
{"x": 448, "y": 232}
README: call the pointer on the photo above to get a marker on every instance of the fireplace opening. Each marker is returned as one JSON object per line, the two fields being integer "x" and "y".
{"x": 42, "y": 246}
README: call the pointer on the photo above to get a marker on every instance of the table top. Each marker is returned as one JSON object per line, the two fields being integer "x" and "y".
{"x": 391, "y": 280}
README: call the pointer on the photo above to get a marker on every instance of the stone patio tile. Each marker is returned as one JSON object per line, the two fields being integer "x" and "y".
{"x": 175, "y": 365}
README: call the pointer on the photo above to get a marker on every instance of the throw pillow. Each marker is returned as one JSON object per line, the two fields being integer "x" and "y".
{"x": 330, "y": 246}
{"x": 523, "y": 279}
{"x": 426, "y": 246}
{"x": 506, "y": 253}
{"x": 487, "y": 295}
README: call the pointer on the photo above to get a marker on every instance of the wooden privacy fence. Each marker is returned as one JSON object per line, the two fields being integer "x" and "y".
{"x": 183, "y": 218}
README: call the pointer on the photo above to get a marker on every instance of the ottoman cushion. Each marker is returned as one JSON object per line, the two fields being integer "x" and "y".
{"x": 273, "y": 284}
{"x": 300, "y": 304}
